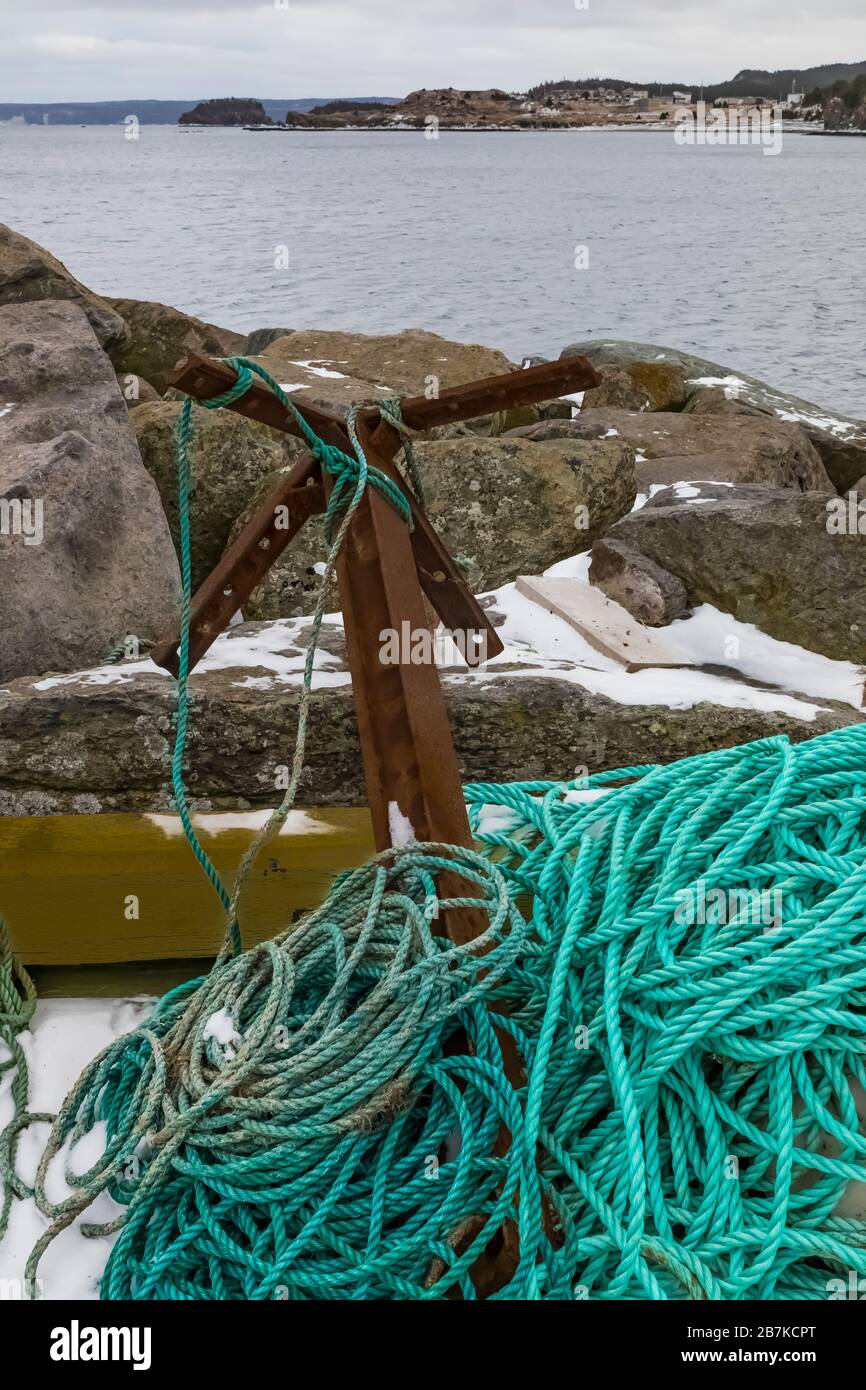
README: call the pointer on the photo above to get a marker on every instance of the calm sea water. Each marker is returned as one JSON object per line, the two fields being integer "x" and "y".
{"x": 752, "y": 261}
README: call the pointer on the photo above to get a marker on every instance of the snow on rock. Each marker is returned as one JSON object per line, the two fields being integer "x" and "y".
{"x": 265, "y": 655}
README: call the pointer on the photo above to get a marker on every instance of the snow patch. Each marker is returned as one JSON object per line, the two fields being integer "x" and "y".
{"x": 218, "y": 823}
{"x": 317, "y": 370}
{"x": 400, "y": 827}
{"x": 221, "y": 1027}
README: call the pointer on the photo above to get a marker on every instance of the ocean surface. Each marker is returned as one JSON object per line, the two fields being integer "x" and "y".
{"x": 756, "y": 262}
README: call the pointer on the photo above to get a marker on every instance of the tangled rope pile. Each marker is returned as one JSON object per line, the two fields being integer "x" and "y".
{"x": 691, "y": 1089}
{"x": 329, "y": 1115}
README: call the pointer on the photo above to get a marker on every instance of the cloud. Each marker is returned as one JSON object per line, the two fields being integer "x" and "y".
{"x": 102, "y": 49}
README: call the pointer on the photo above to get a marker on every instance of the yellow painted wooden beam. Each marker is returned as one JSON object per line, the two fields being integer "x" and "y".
{"x": 110, "y": 889}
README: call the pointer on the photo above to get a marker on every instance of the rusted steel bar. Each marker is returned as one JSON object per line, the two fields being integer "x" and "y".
{"x": 441, "y": 578}
{"x": 410, "y": 766}
{"x": 244, "y": 565}
{"x": 545, "y": 382}
{"x": 205, "y": 377}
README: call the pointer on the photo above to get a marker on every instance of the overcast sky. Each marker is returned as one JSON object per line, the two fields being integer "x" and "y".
{"x": 55, "y": 50}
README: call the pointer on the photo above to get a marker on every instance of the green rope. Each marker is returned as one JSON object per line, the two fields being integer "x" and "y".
{"x": 321, "y": 1116}
{"x": 391, "y": 411}
{"x": 690, "y": 1108}
{"x": 352, "y": 475}
{"x": 17, "y": 1006}
{"x": 127, "y": 649}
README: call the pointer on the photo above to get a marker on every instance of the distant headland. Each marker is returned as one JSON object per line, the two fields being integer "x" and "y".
{"x": 834, "y": 95}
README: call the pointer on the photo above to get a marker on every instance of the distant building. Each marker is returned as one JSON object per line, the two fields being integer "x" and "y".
{"x": 795, "y": 98}
{"x": 682, "y": 98}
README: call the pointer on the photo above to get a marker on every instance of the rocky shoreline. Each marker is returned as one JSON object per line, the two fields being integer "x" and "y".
{"x": 713, "y": 507}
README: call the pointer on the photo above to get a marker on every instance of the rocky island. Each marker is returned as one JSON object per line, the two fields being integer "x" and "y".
{"x": 227, "y": 111}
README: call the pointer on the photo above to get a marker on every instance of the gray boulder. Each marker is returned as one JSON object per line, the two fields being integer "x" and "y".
{"x": 839, "y": 439}
{"x": 404, "y": 363}
{"x": 714, "y": 400}
{"x": 651, "y": 594}
{"x": 768, "y": 556}
{"x": 229, "y": 459}
{"x": 160, "y": 337}
{"x": 262, "y": 338}
{"x": 29, "y": 273}
{"x": 677, "y": 447}
{"x": 85, "y": 552}
{"x": 135, "y": 390}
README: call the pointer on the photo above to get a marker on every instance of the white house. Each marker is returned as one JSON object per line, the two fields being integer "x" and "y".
{"x": 682, "y": 98}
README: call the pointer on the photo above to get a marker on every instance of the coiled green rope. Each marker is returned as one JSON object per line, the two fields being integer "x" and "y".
{"x": 321, "y": 1117}
{"x": 692, "y": 1090}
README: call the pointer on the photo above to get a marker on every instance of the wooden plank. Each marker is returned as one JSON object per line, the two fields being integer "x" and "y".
{"x": 546, "y": 382}
{"x": 606, "y": 625}
{"x": 116, "y": 981}
{"x": 66, "y": 882}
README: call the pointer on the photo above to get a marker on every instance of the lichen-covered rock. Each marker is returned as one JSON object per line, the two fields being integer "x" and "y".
{"x": 511, "y": 506}
{"x": 29, "y": 273}
{"x": 409, "y": 363}
{"x": 664, "y": 383}
{"x": 651, "y": 594}
{"x": 230, "y": 458}
{"x": 85, "y": 552}
{"x": 618, "y": 391}
{"x": 839, "y": 439}
{"x": 769, "y": 556}
{"x": 639, "y": 386}
{"x": 504, "y": 507}
{"x": 161, "y": 337}
{"x": 676, "y": 447}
